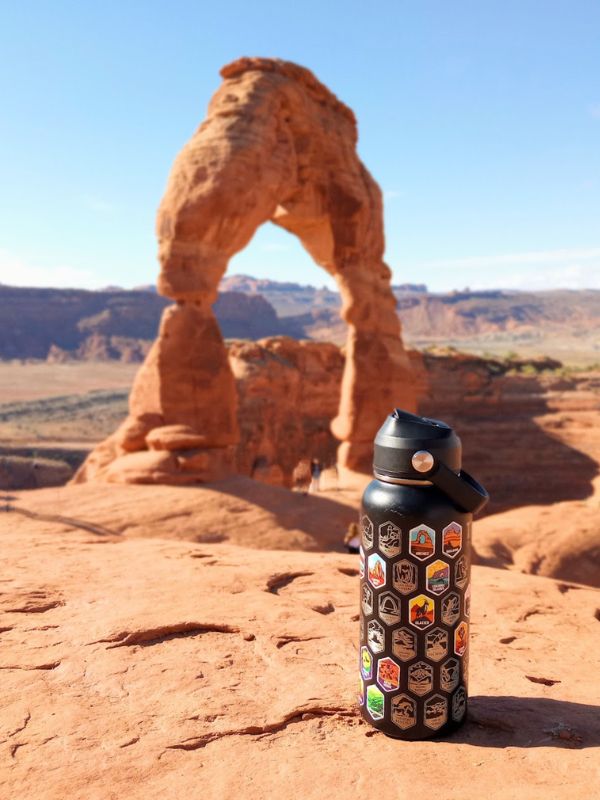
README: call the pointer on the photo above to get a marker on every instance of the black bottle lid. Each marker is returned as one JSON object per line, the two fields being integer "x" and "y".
{"x": 409, "y": 447}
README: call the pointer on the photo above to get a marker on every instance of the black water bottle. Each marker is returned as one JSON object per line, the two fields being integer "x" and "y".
{"x": 415, "y": 579}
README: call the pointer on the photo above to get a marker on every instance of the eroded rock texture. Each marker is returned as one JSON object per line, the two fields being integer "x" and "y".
{"x": 276, "y": 146}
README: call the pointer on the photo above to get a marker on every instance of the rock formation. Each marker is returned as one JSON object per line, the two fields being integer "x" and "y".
{"x": 152, "y": 668}
{"x": 276, "y": 146}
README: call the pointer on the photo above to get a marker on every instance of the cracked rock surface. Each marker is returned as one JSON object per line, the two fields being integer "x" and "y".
{"x": 142, "y": 668}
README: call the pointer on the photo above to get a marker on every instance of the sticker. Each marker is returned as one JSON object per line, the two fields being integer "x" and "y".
{"x": 361, "y": 561}
{"x": 438, "y": 577}
{"x": 375, "y": 701}
{"x": 436, "y": 712}
{"x": 459, "y": 704}
{"x": 361, "y": 693}
{"x": 450, "y": 608}
{"x": 367, "y": 598}
{"x": 452, "y": 539}
{"x": 404, "y": 575}
{"x": 468, "y": 601}
{"x": 376, "y": 570}
{"x": 389, "y": 539}
{"x": 367, "y": 532}
{"x": 366, "y": 663}
{"x": 461, "y": 572}
{"x": 404, "y": 644}
{"x": 449, "y": 675}
{"x": 375, "y": 636}
{"x": 421, "y": 611}
{"x": 404, "y": 711}
{"x": 421, "y": 542}
{"x": 388, "y": 674}
{"x": 436, "y": 644}
{"x": 389, "y": 608}
{"x": 420, "y": 678}
{"x": 461, "y": 638}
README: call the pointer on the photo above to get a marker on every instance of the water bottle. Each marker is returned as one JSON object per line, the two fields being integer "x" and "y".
{"x": 415, "y": 587}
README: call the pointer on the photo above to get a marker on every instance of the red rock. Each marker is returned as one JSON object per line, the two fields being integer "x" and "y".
{"x": 276, "y": 146}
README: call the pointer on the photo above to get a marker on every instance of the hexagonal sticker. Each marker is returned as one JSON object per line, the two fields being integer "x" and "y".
{"x": 375, "y": 701}
{"x": 366, "y": 663}
{"x": 435, "y": 712}
{"x": 467, "y": 597}
{"x": 436, "y": 644}
{"x": 421, "y": 542}
{"x": 420, "y": 678}
{"x": 375, "y": 636}
{"x": 367, "y": 599}
{"x": 389, "y": 539}
{"x": 361, "y": 561}
{"x": 367, "y": 532}
{"x": 404, "y": 711}
{"x": 361, "y": 693}
{"x": 459, "y": 704}
{"x": 404, "y": 644}
{"x": 452, "y": 539}
{"x": 388, "y": 674}
{"x": 449, "y": 675}
{"x": 404, "y": 576}
{"x": 461, "y": 572}
{"x": 421, "y": 611}
{"x": 450, "y": 608}
{"x": 438, "y": 577}
{"x": 376, "y": 569}
{"x": 389, "y": 608}
{"x": 461, "y": 639}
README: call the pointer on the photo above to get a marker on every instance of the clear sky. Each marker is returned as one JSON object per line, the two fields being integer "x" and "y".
{"x": 479, "y": 119}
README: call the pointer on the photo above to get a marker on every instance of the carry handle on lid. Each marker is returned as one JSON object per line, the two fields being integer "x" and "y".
{"x": 461, "y": 488}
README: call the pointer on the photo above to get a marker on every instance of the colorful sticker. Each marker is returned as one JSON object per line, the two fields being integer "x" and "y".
{"x": 438, "y": 577}
{"x": 420, "y": 678}
{"x": 367, "y": 532}
{"x": 468, "y": 601}
{"x": 461, "y": 572}
{"x": 452, "y": 539}
{"x": 404, "y": 711}
{"x": 366, "y": 663}
{"x": 367, "y": 599}
{"x": 361, "y": 693}
{"x": 461, "y": 638}
{"x": 389, "y": 539}
{"x": 404, "y": 644}
{"x": 449, "y": 675}
{"x": 375, "y": 701}
{"x": 436, "y": 712}
{"x": 404, "y": 575}
{"x": 376, "y": 570}
{"x": 421, "y": 542}
{"x": 450, "y": 608}
{"x": 361, "y": 561}
{"x": 389, "y": 608}
{"x": 388, "y": 674}
{"x": 421, "y": 611}
{"x": 436, "y": 644}
{"x": 375, "y": 636}
{"x": 459, "y": 704}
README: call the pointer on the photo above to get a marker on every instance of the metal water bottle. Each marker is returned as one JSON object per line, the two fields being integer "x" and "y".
{"x": 415, "y": 579}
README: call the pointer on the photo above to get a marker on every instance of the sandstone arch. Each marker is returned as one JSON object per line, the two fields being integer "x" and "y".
{"x": 276, "y": 146}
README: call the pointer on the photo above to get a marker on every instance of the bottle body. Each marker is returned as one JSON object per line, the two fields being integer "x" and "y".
{"x": 414, "y": 610}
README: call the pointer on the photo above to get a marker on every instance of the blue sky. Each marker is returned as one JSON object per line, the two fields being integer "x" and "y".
{"x": 480, "y": 121}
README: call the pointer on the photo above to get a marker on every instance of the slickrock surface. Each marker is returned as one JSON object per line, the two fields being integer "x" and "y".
{"x": 149, "y": 668}
{"x": 276, "y": 146}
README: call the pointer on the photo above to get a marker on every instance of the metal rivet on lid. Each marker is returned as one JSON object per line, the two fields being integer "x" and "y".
{"x": 422, "y": 461}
